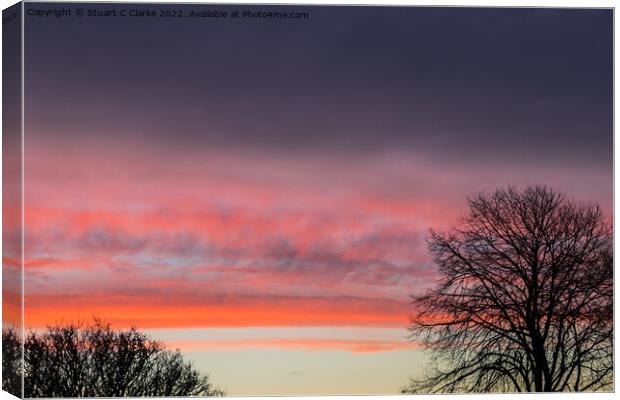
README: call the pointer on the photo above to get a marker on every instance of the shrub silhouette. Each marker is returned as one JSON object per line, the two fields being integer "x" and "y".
{"x": 76, "y": 360}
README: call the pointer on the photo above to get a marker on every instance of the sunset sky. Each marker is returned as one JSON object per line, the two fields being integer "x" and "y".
{"x": 257, "y": 192}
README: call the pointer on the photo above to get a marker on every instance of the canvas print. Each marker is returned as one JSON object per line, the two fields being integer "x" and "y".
{"x": 245, "y": 200}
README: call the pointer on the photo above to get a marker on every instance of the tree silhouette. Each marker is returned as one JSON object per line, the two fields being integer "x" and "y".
{"x": 524, "y": 301}
{"x": 77, "y": 360}
{"x": 11, "y": 362}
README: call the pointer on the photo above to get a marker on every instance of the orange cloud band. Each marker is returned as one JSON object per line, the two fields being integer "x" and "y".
{"x": 306, "y": 344}
{"x": 214, "y": 311}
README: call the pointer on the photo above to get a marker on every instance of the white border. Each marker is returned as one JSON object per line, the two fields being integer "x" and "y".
{"x": 458, "y": 3}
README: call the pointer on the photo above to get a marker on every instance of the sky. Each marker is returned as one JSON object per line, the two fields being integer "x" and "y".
{"x": 257, "y": 192}
{"x": 11, "y": 167}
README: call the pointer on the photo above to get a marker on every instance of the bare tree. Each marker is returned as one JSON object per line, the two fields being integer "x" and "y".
{"x": 95, "y": 360}
{"x": 524, "y": 301}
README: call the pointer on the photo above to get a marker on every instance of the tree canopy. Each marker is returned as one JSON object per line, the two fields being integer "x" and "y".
{"x": 76, "y": 360}
{"x": 524, "y": 301}
{"x": 11, "y": 362}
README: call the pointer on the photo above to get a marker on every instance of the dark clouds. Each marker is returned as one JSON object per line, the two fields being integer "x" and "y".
{"x": 529, "y": 85}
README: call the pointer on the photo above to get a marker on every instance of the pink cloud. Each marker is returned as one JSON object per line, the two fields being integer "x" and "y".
{"x": 108, "y": 226}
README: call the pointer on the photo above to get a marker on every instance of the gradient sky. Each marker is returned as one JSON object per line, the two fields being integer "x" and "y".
{"x": 11, "y": 168}
{"x": 258, "y": 192}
